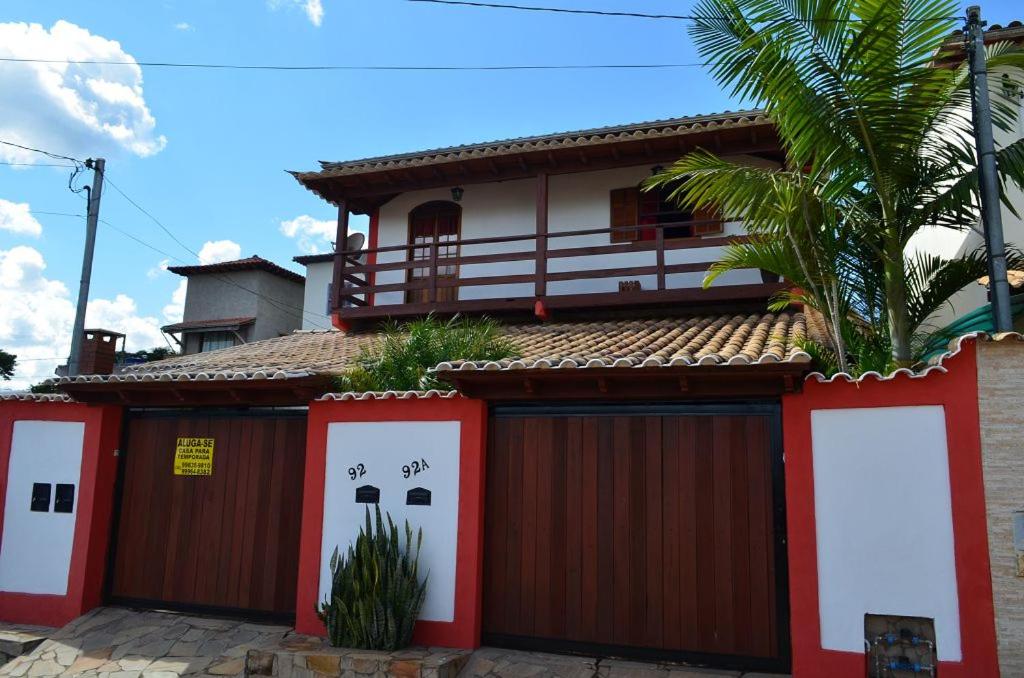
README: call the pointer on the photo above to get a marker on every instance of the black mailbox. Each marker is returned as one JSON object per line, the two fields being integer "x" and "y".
{"x": 417, "y": 496}
{"x": 367, "y": 494}
{"x": 41, "y": 497}
{"x": 64, "y": 501}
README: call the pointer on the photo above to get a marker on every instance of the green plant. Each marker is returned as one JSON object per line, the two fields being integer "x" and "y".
{"x": 876, "y": 128}
{"x": 376, "y": 592}
{"x": 7, "y": 362}
{"x": 403, "y": 357}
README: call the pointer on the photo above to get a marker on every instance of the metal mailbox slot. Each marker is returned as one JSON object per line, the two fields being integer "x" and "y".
{"x": 417, "y": 496}
{"x": 367, "y": 494}
{"x": 40, "y": 497}
{"x": 64, "y": 501}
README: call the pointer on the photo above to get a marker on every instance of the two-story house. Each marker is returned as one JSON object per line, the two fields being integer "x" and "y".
{"x": 613, "y": 488}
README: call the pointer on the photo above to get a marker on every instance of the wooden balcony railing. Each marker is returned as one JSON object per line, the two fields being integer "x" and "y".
{"x": 357, "y": 298}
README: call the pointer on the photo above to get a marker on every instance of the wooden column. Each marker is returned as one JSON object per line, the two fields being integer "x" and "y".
{"x": 338, "y": 279}
{"x": 660, "y": 242}
{"x": 541, "y": 268}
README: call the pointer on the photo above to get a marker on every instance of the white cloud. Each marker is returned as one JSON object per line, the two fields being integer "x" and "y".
{"x": 157, "y": 270}
{"x": 312, "y": 235}
{"x": 314, "y": 9}
{"x": 16, "y": 217}
{"x": 216, "y": 251}
{"x": 184, "y": 26}
{"x": 75, "y": 109}
{"x": 39, "y": 313}
{"x": 175, "y": 311}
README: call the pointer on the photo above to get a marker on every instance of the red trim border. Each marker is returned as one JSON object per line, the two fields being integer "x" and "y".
{"x": 956, "y": 390}
{"x": 464, "y": 631}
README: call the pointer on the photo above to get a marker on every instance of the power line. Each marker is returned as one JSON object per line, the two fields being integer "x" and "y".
{"x": 336, "y": 67}
{"x": 287, "y": 308}
{"x": 57, "y": 214}
{"x": 643, "y": 15}
{"x": 35, "y": 164}
{"x": 55, "y": 156}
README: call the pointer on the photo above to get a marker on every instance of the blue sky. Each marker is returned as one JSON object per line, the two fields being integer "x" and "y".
{"x": 208, "y": 149}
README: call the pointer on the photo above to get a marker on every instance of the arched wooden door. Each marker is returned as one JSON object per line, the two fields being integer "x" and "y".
{"x": 439, "y": 223}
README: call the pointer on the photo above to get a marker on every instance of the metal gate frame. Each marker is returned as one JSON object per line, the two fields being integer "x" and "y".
{"x": 770, "y": 409}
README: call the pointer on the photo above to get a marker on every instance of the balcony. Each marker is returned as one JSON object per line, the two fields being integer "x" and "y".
{"x": 539, "y": 273}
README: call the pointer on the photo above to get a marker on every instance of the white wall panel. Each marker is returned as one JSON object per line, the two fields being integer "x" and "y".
{"x": 383, "y": 449}
{"x": 883, "y": 522}
{"x": 35, "y": 552}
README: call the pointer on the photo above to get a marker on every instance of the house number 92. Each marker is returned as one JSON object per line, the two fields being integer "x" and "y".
{"x": 357, "y": 471}
{"x": 415, "y": 468}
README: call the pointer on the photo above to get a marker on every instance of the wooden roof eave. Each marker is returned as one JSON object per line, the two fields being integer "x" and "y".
{"x": 215, "y": 393}
{"x": 764, "y": 380}
{"x": 365, "y": 190}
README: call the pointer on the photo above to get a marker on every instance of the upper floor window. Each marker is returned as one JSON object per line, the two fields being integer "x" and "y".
{"x": 436, "y": 223}
{"x": 634, "y": 207}
{"x": 211, "y": 341}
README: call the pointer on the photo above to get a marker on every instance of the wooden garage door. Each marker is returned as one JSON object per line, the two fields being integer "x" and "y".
{"x": 651, "y": 536}
{"x": 229, "y": 540}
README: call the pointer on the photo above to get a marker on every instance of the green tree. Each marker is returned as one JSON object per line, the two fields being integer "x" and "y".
{"x": 878, "y": 145}
{"x": 403, "y": 357}
{"x": 7, "y": 362}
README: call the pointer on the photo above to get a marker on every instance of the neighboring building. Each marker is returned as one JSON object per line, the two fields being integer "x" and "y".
{"x": 316, "y": 302}
{"x": 949, "y": 243}
{"x": 237, "y": 302}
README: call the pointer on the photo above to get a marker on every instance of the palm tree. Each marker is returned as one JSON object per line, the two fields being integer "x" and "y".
{"x": 406, "y": 353}
{"x": 878, "y": 141}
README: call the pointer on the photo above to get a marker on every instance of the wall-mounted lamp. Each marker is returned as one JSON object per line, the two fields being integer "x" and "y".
{"x": 656, "y": 170}
{"x": 457, "y": 193}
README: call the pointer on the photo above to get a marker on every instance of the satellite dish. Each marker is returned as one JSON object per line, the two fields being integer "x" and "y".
{"x": 354, "y": 243}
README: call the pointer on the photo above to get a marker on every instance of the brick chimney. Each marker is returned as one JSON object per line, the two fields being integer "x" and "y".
{"x": 98, "y": 351}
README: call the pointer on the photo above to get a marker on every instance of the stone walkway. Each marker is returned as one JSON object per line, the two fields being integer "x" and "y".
{"x": 121, "y": 643}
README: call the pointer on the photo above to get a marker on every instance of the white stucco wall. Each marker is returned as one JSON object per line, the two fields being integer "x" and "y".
{"x": 884, "y": 522}
{"x": 314, "y": 301}
{"x": 35, "y": 554}
{"x": 380, "y": 450}
{"x": 576, "y": 202}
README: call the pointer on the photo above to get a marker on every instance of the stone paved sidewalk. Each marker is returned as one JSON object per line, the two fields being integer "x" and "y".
{"x": 122, "y": 643}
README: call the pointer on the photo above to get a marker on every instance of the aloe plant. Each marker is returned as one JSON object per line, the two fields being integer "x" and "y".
{"x": 376, "y": 591}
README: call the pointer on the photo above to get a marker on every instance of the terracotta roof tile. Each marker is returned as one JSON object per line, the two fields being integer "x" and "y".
{"x": 587, "y": 137}
{"x": 627, "y": 343}
{"x": 253, "y": 263}
{"x": 207, "y": 324}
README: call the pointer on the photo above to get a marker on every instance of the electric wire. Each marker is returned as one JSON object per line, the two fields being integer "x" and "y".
{"x": 644, "y": 15}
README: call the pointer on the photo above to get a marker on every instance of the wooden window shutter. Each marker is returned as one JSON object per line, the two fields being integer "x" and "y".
{"x": 717, "y": 225}
{"x": 625, "y": 212}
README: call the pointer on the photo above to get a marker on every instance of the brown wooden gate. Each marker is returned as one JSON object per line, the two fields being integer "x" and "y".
{"x": 637, "y": 532}
{"x": 227, "y": 541}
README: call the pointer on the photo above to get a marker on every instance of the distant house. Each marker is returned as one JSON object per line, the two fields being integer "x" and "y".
{"x": 316, "y": 302}
{"x": 237, "y": 302}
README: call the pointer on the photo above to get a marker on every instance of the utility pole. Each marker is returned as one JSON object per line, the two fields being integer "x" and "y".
{"x": 92, "y": 217}
{"x": 991, "y": 214}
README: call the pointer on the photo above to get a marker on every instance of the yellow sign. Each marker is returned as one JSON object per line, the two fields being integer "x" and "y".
{"x": 193, "y": 457}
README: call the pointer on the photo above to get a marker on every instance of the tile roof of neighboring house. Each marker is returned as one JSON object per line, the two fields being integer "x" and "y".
{"x": 217, "y": 323}
{"x": 307, "y": 259}
{"x": 253, "y": 263}
{"x": 689, "y": 340}
{"x": 587, "y": 137}
{"x": 36, "y": 397}
{"x": 1014, "y": 277}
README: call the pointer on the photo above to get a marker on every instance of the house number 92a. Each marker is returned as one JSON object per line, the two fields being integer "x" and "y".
{"x": 414, "y": 468}
{"x": 357, "y": 471}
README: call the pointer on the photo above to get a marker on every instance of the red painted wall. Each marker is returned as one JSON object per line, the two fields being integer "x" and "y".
{"x": 464, "y": 631}
{"x": 93, "y": 517}
{"x": 956, "y": 391}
